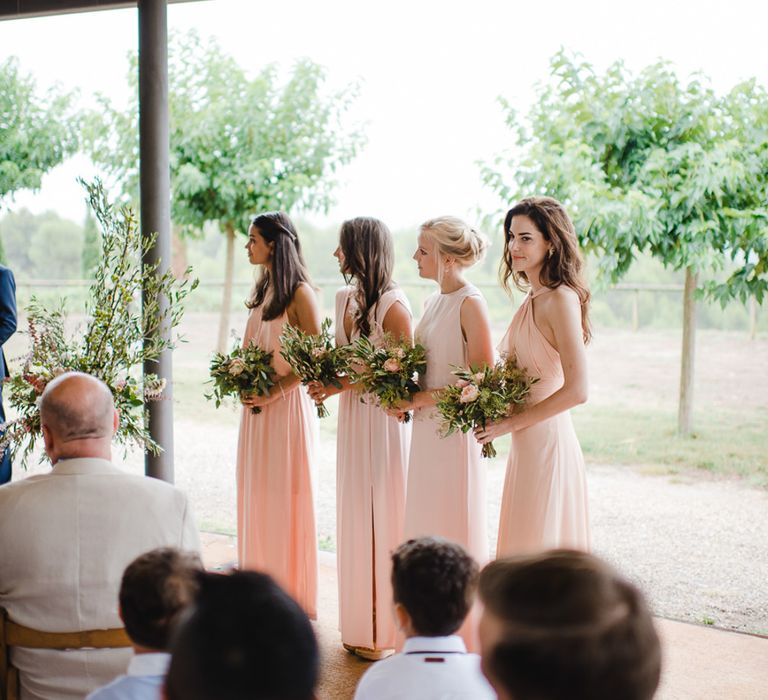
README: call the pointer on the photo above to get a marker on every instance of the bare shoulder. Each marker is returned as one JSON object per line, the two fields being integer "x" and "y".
{"x": 304, "y": 294}
{"x": 474, "y": 303}
{"x": 561, "y": 300}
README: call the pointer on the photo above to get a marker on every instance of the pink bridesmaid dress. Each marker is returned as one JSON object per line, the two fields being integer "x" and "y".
{"x": 544, "y": 504}
{"x": 371, "y": 465}
{"x": 446, "y": 494}
{"x": 276, "y": 530}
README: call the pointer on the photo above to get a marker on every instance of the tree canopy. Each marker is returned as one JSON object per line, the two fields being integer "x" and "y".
{"x": 37, "y": 132}
{"x": 647, "y": 162}
{"x": 239, "y": 144}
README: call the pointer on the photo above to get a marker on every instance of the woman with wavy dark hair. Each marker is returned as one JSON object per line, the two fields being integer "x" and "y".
{"x": 544, "y": 504}
{"x": 275, "y": 505}
{"x": 371, "y": 447}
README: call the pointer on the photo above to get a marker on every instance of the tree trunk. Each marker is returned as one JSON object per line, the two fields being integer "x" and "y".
{"x": 752, "y": 318}
{"x": 685, "y": 409}
{"x": 179, "y": 259}
{"x": 226, "y": 300}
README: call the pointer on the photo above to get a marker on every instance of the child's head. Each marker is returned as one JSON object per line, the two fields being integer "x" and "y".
{"x": 156, "y": 587}
{"x": 244, "y": 638}
{"x": 434, "y": 581}
{"x": 564, "y": 625}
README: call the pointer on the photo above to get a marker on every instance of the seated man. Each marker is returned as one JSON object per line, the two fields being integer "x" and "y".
{"x": 156, "y": 587}
{"x": 565, "y": 626}
{"x": 67, "y": 536}
{"x": 433, "y": 584}
{"x": 244, "y": 639}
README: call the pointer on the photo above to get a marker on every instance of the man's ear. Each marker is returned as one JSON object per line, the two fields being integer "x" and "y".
{"x": 47, "y": 439}
{"x": 115, "y": 421}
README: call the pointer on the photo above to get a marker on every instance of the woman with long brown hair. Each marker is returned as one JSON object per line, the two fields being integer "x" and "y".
{"x": 275, "y": 506}
{"x": 371, "y": 447}
{"x": 544, "y": 504}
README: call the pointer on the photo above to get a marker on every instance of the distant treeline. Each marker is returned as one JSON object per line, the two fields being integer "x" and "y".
{"x": 48, "y": 247}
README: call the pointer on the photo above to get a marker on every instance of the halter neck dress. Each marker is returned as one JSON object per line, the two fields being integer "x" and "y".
{"x": 544, "y": 503}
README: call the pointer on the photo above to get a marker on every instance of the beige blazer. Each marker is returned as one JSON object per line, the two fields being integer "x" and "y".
{"x": 65, "y": 539}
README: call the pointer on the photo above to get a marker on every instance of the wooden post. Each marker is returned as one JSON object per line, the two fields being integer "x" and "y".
{"x": 155, "y": 183}
{"x": 226, "y": 301}
{"x": 685, "y": 408}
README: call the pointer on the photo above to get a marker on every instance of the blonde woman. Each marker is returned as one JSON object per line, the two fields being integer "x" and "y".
{"x": 446, "y": 477}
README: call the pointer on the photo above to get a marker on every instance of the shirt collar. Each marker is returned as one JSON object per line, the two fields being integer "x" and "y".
{"x": 154, "y": 664}
{"x": 453, "y": 644}
{"x": 83, "y": 465}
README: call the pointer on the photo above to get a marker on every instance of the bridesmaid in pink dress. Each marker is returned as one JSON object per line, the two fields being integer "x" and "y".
{"x": 446, "y": 494}
{"x": 371, "y": 447}
{"x": 275, "y": 505}
{"x": 544, "y": 504}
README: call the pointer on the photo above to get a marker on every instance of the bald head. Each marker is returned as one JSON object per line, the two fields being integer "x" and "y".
{"x": 77, "y": 406}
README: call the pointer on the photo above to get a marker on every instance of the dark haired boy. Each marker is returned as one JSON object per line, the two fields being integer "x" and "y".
{"x": 245, "y": 638}
{"x": 155, "y": 588}
{"x": 433, "y": 583}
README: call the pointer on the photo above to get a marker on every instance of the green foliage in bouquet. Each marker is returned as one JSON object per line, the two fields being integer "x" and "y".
{"x": 483, "y": 396}
{"x": 314, "y": 358}
{"x": 246, "y": 370}
{"x": 387, "y": 372}
{"x": 119, "y": 336}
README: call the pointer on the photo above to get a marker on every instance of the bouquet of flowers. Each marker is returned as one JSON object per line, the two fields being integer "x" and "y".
{"x": 482, "y": 397}
{"x": 387, "y": 372}
{"x": 314, "y": 358}
{"x": 244, "y": 371}
{"x": 119, "y": 335}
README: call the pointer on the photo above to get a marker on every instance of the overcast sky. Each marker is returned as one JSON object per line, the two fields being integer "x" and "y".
{"x": 430, "y": 73}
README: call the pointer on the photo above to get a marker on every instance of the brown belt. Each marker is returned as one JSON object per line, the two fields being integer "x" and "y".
{"x": 19, "y": 636}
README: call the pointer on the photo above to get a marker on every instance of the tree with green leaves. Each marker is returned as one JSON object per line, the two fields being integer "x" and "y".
{"x": 648, "y": 163}
{"x": 239, "y": 145}
{"x": 37, "y": 132}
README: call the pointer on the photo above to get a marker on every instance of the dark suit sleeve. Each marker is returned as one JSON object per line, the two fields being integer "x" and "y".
{"x": 7, "y": 304}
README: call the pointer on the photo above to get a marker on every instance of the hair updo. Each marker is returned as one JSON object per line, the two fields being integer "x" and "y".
{"x": 457, "y": 239}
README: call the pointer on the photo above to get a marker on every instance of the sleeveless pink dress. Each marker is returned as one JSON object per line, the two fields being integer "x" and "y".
{"x": 371, "y": 465}
{"x": 446, "y": 494}
{"x": 276, "y": 530}
{"x": 544, "y": 504}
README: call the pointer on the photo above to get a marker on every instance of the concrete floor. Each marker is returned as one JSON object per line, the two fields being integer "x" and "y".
{"x": 699, "y": 662}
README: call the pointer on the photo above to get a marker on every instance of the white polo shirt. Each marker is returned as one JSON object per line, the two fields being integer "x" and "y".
{"x": 430, "y": 668}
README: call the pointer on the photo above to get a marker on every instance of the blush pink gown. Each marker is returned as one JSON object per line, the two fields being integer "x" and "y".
{"x": 371, "y": 465}
{"x": 544, "y": 504}
{"x": 446, "y": 494}
{"x": 276, "y": 530}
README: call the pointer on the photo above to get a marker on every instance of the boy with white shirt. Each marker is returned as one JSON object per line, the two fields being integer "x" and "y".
{"x": 433, "y": 584}
{"x": 156, "y": 587}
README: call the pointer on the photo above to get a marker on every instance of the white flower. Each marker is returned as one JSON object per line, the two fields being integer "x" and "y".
{"x": 462, "y": 383}
{"x": 399, "y": 353}
{"x": 236, "y": 366}
{"x": 392, "y": 365}
{"x": 478, "y": 376}
{"x": 469, "y": 393}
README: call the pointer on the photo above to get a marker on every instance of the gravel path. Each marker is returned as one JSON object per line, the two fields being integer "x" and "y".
{"x": 698, "y": 547}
